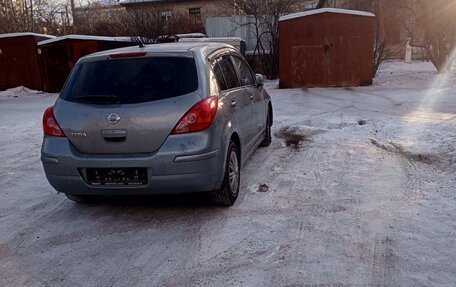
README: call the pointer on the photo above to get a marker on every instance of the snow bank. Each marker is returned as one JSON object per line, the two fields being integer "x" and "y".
{"x": 18, "y": 92}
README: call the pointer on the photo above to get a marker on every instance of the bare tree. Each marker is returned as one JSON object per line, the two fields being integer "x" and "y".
{"x": 432, "y": 26}
{"x": 50, "y": 18}
{"x": 42, "y": 16}
{"x": 264, "y": 16}
{"x": 148, "y": 21}
{"x": 97, "y": 18}
{"x": 14, "y": 19}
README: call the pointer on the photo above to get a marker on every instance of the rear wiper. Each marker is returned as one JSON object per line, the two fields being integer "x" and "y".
{"x": 99, "y": 98}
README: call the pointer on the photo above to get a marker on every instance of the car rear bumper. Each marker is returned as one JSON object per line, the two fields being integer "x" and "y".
{"x": 175, "y": 168}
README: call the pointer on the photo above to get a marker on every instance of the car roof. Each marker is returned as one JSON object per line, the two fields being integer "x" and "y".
{"x": 205, "y": 48}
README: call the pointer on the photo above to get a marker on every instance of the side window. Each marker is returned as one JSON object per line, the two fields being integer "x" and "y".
{"x": 219, "y": 75}
{"x": 244, "y": 71}
{"x": 228, "y": 71}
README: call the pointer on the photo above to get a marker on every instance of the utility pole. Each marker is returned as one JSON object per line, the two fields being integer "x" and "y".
{"x": 31, "y": 16}
{"x": 68, "y": 20}
{"x": 62, "y": 16}
{"x": 72, "y": 16}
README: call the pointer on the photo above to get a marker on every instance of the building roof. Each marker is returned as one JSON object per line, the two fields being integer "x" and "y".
{"x": 23, "y": 34}
{"x": 85, "y": 37}
{"x": 326, "y": 10}
{"x": 98, "y": 4}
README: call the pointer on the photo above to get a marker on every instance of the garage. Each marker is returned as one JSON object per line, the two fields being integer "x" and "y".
{"x": 326, "y": 48}
{"x": 19, "y": 64}
{"x": 59, "y": 55}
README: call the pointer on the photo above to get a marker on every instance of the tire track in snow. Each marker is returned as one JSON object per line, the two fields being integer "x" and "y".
{"x": 382, "y": 261}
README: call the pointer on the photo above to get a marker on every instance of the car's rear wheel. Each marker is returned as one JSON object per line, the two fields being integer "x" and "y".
{"x": 83, "y": 198}
{"x": 227, "y": 195}
{"x": 267, "y": 134}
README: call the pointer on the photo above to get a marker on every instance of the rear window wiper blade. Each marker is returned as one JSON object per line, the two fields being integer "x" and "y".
{"x": 99, "y": 98}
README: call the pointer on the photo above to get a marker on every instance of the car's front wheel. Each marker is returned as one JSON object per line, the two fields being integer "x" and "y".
{"x": 227, "y": 195}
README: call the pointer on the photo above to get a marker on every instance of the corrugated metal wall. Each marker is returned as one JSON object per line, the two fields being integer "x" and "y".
{"x": 19, "y": 62}
{"x": 236, "y": 26}
{"x": 326, "y": 50}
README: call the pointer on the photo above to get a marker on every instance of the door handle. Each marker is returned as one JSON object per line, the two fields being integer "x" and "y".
{"x": 251, "y": 97}
{"x": 233, "y": 104}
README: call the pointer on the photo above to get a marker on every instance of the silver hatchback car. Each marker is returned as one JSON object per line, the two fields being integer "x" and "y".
{"x": 167, "y": 118}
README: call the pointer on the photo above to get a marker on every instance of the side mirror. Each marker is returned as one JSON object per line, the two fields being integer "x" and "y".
{"x": 259, "y": 79}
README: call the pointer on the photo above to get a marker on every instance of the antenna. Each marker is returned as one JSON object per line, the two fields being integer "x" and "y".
{"x": 141, "y": 44}
{"x": 138, "y": 40}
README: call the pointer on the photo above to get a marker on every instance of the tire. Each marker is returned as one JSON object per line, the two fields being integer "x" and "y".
{"x": 82, "y": 198}
{"x": 227, "y": 195}
{"x": 267, "y": 135}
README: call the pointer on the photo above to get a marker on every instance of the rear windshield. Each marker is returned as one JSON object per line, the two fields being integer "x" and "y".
{"x": 133, "y": 80}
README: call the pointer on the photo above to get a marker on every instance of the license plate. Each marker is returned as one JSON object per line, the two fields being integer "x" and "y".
{"x": 116, "y": 176}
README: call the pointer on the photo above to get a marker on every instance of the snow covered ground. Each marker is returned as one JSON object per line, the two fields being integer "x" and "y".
{"x": 358, "y": 189}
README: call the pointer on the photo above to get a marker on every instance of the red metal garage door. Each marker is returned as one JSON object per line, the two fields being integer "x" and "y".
{"x": 18, "y": 72}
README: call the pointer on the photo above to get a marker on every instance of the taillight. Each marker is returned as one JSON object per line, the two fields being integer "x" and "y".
{"x": 50, "y": 125}
{"x": 198, "y": 118}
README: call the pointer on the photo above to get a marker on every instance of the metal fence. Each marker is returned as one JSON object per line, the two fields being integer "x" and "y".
{"x": 236, "y": 26}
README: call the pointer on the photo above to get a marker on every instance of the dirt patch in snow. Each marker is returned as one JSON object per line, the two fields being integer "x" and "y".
{"x": 292, "y": 137}
{"x": 400, "y": 150}
{"x": 263, "y": 188}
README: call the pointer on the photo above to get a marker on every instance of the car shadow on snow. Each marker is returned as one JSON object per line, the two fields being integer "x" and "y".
{"x": 143, "y": 212}
{"x": 169, "y": 200}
